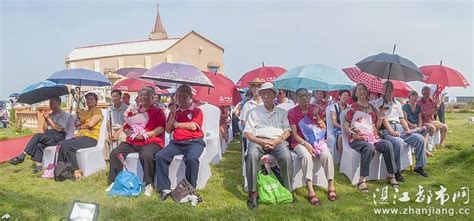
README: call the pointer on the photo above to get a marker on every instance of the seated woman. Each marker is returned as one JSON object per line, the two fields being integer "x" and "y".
{"x": 335, "y": 111}
{"x": 88, "y": 128}
{"x": 320, "y": 103}
{"x": 412, "y": 113}
{"x": 146, "y": 141}
{"x": 306, "y": 150}
{"x": 367, "y": 142}
{"x": 185, "y": 123}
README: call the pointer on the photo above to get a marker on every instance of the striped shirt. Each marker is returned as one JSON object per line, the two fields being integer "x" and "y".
{"x": 263, "y": 123}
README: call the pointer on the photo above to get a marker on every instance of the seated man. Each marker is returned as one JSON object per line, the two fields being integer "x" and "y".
{"x": 428, "y": 109}
{"x": 397, "y": 132}
{"x": 146, "y": 141}
{"x": 185, "y": 123}
{"x": 54, "y": 127}
{"x": 117, "y": 120}
{"x": 267, "y": 129}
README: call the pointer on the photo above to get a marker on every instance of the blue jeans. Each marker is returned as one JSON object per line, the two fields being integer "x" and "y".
{"x": 415, "y": 140}
{"x": 191, "y": 150}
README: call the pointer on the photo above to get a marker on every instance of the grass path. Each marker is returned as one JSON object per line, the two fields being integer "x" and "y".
{"x": 28, "y": 197}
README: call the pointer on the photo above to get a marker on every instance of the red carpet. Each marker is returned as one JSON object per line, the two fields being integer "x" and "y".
{"x": 11, "y": 148}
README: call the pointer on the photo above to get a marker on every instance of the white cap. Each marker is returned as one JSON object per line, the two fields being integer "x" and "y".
{"x": 268, "y": 86}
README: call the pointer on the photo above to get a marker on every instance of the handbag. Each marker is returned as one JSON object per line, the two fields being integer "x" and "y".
{"x": 49, "y": 172}
{"x": 270, "y": 190}
{"x": 182, "y": 190}
{"x": 63, "y": 171}
{"x": 126, "y": 183}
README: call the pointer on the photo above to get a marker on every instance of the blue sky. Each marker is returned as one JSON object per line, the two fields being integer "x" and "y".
{"x": 37, "y": 35}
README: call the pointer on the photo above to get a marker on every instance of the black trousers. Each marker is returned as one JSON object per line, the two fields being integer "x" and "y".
{"x": 147, "y": 159}
{"x": 68, "y": 149}
{"x": 39, "y": 141}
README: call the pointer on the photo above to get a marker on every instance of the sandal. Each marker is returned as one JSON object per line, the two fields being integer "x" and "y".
{"x": 333, "y": 196}
{"x": 364, "y": 189}
{"x": 393, "y": 184}
{"x": 314, "y": 200}
{"x": 78, "y": 174}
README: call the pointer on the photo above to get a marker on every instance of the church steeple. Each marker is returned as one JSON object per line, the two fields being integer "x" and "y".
{"x": 158, "y": 32}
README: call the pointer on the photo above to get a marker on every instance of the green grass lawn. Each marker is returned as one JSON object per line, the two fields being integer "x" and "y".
{"x": 28, "y": 197}
{"x": 10, "y": 133}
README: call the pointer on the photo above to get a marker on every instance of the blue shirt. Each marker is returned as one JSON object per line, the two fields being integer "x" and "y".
{"x": 412, "y": 116}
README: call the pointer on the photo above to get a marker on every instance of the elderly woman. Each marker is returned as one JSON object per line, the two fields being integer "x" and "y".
{"x": 88, "y": 128}
{"x": 320, "y": 103}
{"x": 335, "y": 112}
{"x": 305, "y": 150}
{"x": 367, "y": 143}
{"x": 185, "y": 124}
{"x": 147, "y": 143}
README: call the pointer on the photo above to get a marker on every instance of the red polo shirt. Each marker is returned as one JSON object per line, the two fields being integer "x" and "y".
{"x": 191, "y": 114}
{"x": 156, "y": 118}
{"x": 294, "y": 117}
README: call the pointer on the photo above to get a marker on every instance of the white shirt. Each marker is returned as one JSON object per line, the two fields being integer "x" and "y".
{"x": 263, "y": 123}
{"x": 248, "y": 106}
{"x": 287, "y": 104}
{"x": 394, "y": 112}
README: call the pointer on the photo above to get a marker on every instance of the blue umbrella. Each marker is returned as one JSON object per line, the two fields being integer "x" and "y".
{"x": 42, "y": 91}
{"x": 313, "y": 77}
{"x": 80, "y": 77}
{"x": 14, "y": 95}
{"x": 391, "y": 66}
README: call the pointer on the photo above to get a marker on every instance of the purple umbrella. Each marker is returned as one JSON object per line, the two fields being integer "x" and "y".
{"x": 178, "y": 73}
{"x": 136, "y": 73}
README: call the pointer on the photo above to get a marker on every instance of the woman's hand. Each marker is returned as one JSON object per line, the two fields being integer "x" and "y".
{"x": 394, "y": 133}
{"x": 359, "y": 136}
{"x": 309, "y": 148}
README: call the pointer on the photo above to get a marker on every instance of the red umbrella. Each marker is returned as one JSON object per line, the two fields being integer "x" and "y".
{"x": 267, "y": 74}
{"x": 373, "y": 83}
{"x": 224, "y": 92}
{"x": 443, "y": 75}
{"x": 132, "y": 85}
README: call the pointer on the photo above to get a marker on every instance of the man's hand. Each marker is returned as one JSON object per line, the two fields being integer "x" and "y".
{"x": 172, "y": 107}
{"x": 394, "y": 133}
{"x": 46, "y": 115}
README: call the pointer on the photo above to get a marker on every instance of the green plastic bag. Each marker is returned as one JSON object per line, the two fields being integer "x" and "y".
{"x": 270, "y": 190}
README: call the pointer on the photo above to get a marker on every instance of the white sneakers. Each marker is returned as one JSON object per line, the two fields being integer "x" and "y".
{"x": 148, "y": 190}
{"x": 109, "y": 188}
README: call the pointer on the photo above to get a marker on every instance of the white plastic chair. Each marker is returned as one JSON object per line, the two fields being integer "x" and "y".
{"x": 210, "y": 128}
{"x": 90, "y": 160}
{"x": 350, "y": 160}
{"x": 176, "y": 170}
{"x": 331, "y": 140}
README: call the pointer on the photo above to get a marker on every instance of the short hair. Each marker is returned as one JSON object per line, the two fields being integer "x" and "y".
{"x": 354, "y": 97}
{"x": 116, "y": 91}
{"x": 92, "y": 94}
{"x": 301, "y": 89}
{"x": 186, "y": 89}
{"x": 388, "y": 83}
{"x": 149, "y": 90}
{"x": 126, "y": 94}
{"x": 56, "y": 98}
{"x": 412, "y": 93}
{"x": 344, "y": 91}
{"x": 425, "y": 88}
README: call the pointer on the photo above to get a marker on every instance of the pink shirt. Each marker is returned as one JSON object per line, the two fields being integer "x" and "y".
{"x": 294, "y": 116}
{"x": 426, "y": 105}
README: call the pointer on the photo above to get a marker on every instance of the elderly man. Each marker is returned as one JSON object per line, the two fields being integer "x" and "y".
{"x": 429, "y": 108}
{"x": 185, "y": 124}
{"x": 284, "y": 102}
{"x": 116, "y": 112}
{"x": 398, "y": 133}
{"x": 267, "y": 129}
{"x": 53, "y": 132}
{"x": 147, "y": 144}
